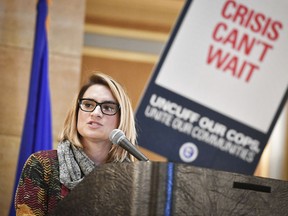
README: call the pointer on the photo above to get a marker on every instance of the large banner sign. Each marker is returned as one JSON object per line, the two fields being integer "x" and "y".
{"x": 220, "y": 85}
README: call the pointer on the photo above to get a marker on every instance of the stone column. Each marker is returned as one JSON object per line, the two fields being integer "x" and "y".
{"x": 65, "y": 39}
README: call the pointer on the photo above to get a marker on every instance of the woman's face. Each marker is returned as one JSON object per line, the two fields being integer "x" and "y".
{"x": 96, "y": 126}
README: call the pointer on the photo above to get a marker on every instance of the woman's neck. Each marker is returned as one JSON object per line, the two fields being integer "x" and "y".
{"x": 97, "y": 152}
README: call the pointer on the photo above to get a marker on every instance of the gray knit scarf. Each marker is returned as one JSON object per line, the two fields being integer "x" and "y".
{"x": 74, "y": 164}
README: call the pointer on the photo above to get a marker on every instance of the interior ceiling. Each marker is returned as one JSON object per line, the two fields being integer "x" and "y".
{"x": 135, "y": 28}
{"x": 151, "y": 15}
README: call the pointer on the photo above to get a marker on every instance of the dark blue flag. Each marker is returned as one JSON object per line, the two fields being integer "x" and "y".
{"x": 37, "y": 131}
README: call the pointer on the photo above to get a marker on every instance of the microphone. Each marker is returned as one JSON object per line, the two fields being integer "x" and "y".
{"x": 117, "y": 137}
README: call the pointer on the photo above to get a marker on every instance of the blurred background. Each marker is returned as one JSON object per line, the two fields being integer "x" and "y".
{"x": 121, "y": 38}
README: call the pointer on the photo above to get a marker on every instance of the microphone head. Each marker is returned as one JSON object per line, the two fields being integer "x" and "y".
{"x": 116, "y": 136}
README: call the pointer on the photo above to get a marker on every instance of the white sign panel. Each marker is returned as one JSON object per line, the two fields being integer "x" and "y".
{"x": 232, "y": 59}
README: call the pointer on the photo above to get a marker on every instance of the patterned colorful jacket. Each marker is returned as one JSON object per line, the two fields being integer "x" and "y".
{"x": 39, "y": 189}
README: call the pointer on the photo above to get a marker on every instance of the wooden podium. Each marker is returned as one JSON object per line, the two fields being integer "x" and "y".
{"x": 158, "y": 188}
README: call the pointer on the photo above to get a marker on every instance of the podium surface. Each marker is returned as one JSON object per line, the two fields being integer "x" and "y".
{"x": 158, "y": 188}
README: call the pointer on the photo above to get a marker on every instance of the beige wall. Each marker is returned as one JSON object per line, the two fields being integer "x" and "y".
{"x": 17, "y": 20}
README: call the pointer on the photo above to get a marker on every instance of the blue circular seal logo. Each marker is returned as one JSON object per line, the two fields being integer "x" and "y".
{"x": 188, "y": 152}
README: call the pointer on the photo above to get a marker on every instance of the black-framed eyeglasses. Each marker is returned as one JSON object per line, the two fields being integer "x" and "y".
{"x": 89, "y": 105}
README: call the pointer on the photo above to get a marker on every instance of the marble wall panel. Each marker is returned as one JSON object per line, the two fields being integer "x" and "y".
{"x": 17, "y": 21}
{"x": 64, "y": 85}
{"x": 8, "y": 155}
{"x": 67, "y": 27}
{"x": 17, "y": 24}
{"x": 15, "y": 74}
